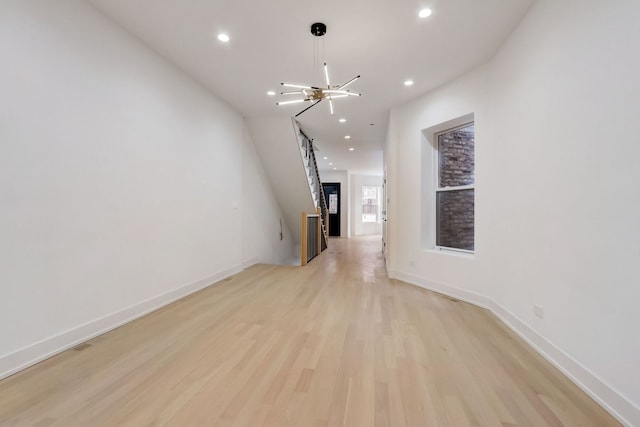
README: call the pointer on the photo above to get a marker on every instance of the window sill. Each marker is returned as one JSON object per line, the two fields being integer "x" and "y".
{"x": 453, "y": 252}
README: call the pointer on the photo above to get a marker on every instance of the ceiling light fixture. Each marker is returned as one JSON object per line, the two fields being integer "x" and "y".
{"x": 223, "y": 37}
{"x": 271, "y": 93}
{"x": 342, "y": 120}
{"x": 408, "y": 83}
{"x": 351, "y": 148}
{"x": 424, "y": 13}
{"x": 316, "y": 94}
{"x": 295, "y": 101}
{"x": 325, "y": 158}
{"x": 347, "y": 137}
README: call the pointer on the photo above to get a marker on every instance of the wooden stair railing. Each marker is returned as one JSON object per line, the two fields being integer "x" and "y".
{"x": 310, "y": 237}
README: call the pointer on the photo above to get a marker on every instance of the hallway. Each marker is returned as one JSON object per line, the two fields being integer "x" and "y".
{"x": 335, "y": 343}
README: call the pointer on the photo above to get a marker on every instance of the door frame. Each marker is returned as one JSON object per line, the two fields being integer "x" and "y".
{"x": 339, "y": 214}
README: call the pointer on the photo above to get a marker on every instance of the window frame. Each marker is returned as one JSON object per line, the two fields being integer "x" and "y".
{"x": 377, "y": 205}
{"x": 437, "y": 189}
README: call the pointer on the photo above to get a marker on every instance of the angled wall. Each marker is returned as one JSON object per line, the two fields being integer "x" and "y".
{"x": 276, "y": 142}
{"x": 557, "y": 203}
{"x": 123, "y": 184}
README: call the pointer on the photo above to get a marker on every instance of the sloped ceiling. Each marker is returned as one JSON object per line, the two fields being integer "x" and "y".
{"x": 383, "y": 41}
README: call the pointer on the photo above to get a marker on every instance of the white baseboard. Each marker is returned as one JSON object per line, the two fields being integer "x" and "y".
{"x": 611, "y": 400}
{"x": 390, "y": 272}
{"x": 39, "y": 351}
{"x": 441, "y": 288}
{"x": 248, "y": 263}
{"x": 606, "y": 396}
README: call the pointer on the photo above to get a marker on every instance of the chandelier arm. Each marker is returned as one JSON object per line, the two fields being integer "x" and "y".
{"x": 326, "y": 75}
{"x": 295, "y": 101}
{"x": 342, "y": 93}
{"x": 339, "y": 92}
{"x": 312, "y": 105}
{"x": 297, "y": 86}
{"x": 330, "y": 106}
{"x": 349, "y": 82}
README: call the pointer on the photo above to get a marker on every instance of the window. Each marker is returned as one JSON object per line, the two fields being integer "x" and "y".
{"x": 455, "y": 188}
{"x": 370, "y": 197}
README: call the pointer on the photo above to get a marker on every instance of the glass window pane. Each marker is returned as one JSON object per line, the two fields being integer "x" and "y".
{"x": 456, "y": 163}
{"x": 369, "y": 192}
{"x": 370, "y": 203}
{"x": 455, "y": 219}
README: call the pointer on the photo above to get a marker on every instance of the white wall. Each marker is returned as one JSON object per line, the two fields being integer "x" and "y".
{"x": 557, "y": 206}
{"x": 262, "y": 217}
{"x": 279, "y": 150}
{"x": 123, "y": 184}
{"x": 343, "y": 178}
{"x": 358, "y": 228}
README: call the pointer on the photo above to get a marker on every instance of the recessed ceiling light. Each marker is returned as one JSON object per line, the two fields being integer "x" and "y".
{"x": 408, "y": 82}
{"x": 342, "y": 120}
{"x": 347, "y": 137}
{"x": 271, "y": 93}
{"x": 351, "y": 148}
{"x": 330, "y": 164}
{"x": 325, "y": 158}
{"x": 335, "y": 169}
{"x": 424, "y": 13}
{"x": 223, "y": 37}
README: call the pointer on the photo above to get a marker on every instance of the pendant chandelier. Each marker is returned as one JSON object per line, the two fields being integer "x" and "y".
{"x": 315, "y": 94}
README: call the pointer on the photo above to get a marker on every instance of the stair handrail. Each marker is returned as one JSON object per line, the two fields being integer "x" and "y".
{"x": 312, "y": 164}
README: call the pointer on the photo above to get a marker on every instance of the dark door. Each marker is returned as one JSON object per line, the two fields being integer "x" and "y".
{"x": 332, "y": 197}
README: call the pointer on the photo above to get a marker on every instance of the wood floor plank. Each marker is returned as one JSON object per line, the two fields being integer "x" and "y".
{"x": 335, "y": 343}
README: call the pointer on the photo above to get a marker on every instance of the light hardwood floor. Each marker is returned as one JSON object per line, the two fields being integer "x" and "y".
{"x": 332, "y": 344}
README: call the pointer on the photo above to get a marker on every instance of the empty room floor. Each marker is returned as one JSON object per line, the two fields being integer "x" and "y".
{"x": 335, "y": 343}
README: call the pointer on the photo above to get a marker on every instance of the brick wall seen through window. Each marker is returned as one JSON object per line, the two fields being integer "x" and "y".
{"x": 455, "y": 192}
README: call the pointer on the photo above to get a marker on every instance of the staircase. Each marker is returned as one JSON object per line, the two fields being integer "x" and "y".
{"x": 287, "y": 156}
{"x": 313, "y": 177}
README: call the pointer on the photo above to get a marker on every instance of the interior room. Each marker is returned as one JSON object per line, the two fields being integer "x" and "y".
{"x": 477, "y": 244}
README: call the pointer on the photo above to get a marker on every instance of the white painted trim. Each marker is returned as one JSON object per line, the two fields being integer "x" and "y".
{"x": 443, "y": 250}
{"x": 431, "y": 136}
{"x": 248, "y": 263}
{"x": 28, "y": 356}
{"x": 457, "y": 188}
{"x": 610, "y": 399}
{"x": 390, "y": 273}
{"x": 442, "y": 288}
{"x": 606, "y": 396}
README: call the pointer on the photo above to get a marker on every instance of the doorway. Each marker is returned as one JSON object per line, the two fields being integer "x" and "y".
{"x": 332, "y": 197}
{"x": 385, "y": 201}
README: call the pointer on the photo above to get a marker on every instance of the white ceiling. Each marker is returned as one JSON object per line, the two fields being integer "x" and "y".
{"x": 382, "y": 40}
